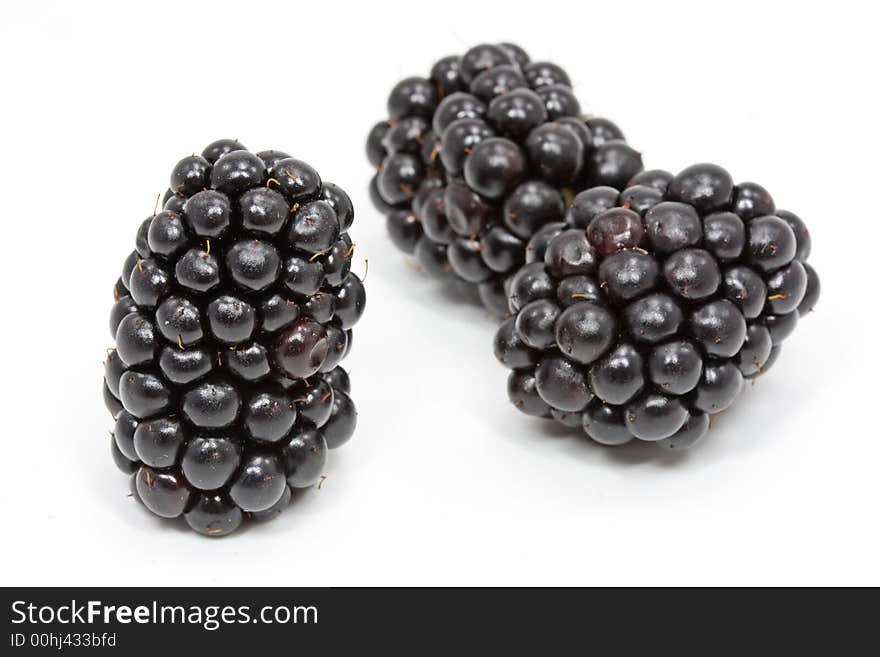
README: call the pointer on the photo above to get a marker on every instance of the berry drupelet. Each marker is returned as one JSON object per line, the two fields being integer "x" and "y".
{"x": 640, "y": 315}
{"x": 231, "y": 317}
{"x": 480, "y": 156}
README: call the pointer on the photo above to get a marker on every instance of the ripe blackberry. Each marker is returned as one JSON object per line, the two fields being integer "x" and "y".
{"x": 642, "y": 314}
{"x": 231, "y": 318}
{"x": 479, "y": 157}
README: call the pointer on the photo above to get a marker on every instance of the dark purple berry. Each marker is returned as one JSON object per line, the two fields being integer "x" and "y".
{"x": 750, "y": 200}
{"x": 707, "y": 187}
{"x": 446, "y": 77}
{"x": 532, "y": 205}
{"x": 605, "y": 424}
{"x": 536, "y": 322}
{"x": 213, "y": 515}
{"x": 692, "y": 431}
{"x": 724, "y": 235}
{"x": 467, "y": 213}
{"x": 260, "y": 483}
{"x": 399, "y": 178}
{"x": 786, "y": 288}
{"x": 237, "y": 171}
{"x": 745, "y": 288}
{"x": 495, "y": 167}
{"x": 210, "y": 461}
{"x": 305, "y": 457}
{"x": 672, "y": 226}
{"x": 209, "y": 213}
{"x": 300, "y": 350}
{"x": 163, "y": 493}
{"x": 404, "y": 228}
{"x": 801, "y": 234}
{"x": 559, "y": 100}
{"x": 515, "y": 114}
{"x": 570, "y": 254}
{"x": 653, "y": 318}
{"x": 771, "y": 243}
{"x": 604, "y": 130}
{"x": 615, "y": 229}
{"x": 211, "y": 405}
{"x": 656, "y": 178}
{"x": 523, "y": 393}
{"x": 755, "y": 350}
{"x": 628, "y": 274}
{"x": 555, "y": 153}
{"x": 589, "y": 204}
{"x": 215, "y": 150}
{"x": 236, "y": 299}
{"x": 654, "y": 416}
{"x": 618, "y": 376}
{"x": 585, "y": 331}
{"x": 675, "y": 367}
{"x": 811, "y": 296}
{"x": 719, "y": 327}
{"x": 481, "y": 58}
{"x": 613, "y": 163}
{"x": 413, "y": 96}
{"x": 340, "y": 426}
{"x": 530, "y": 283}
{"x": 692, "y": 273}
{"x": 497, "y": 82}
{"x": 545, "y": 74}
{"x": 562, "y": 384}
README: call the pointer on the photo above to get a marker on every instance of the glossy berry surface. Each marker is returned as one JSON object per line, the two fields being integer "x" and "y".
{"x": 466, "y": 186}
{"x": 643, "y": 313}
{"x": 231, "y": 317}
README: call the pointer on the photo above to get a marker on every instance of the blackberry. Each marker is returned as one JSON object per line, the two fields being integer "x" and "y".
{"x": 231, "y": 318}
{"x": 641, "y": 315}
{"x": 468, "y": 173}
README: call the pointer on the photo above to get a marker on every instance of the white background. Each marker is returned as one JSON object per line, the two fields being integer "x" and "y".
{"x": 444, "y": 482}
